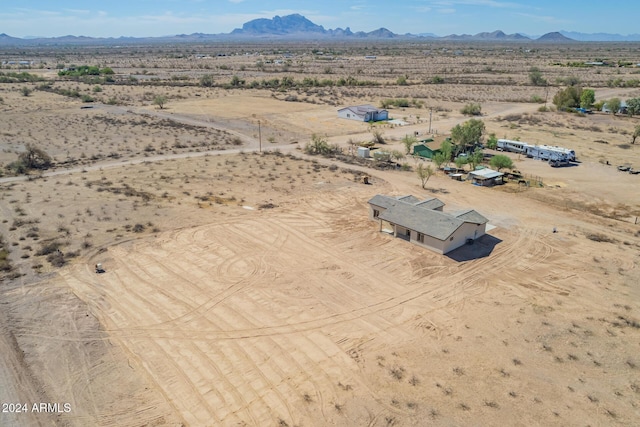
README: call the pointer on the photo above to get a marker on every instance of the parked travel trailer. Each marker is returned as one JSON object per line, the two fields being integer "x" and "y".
{"x": 513, "y": 146}
{"x": 547, "y": 152}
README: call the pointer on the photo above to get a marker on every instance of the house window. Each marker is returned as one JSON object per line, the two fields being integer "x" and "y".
{"x": 420, "y": 237}
{"x": 376, "y": 213}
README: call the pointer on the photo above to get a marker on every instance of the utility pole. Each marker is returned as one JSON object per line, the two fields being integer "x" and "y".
{"x": 546, "y": 96}
{"x": 430, "y": 112}
{"x": 259, "y": 136}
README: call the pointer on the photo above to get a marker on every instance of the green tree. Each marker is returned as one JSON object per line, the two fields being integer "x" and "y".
{"x": 402, "y": 81}
{"x": 424, "y": 173}
{"x": 34, "y": 158}
{"x": 587, "y": 98}
{"x": 492, "y": 141}
{"x": 207, "y": 80}
{"x": 467, "y": 134}
{"x": 636, "y": 133}
{"x": 446, "y": 148}
{"x": 633, "y": 106}
{"x": 460, "y": 161}
{"x": 25, "y": 91}
{"x": 408, "y": 142}
{"x": 475, "y": 158}
{"x": 535, "y": 77}
{"x": 614, "y": 105}
{"x": 500, "y": 161}
{"x": 160, "y": 100}
{"x": 439, "y": 159}
{"x": 567, "y": 98}
{"x": 397, "y": 155}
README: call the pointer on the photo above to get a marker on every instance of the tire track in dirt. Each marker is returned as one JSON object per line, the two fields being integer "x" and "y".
{"x": 237, "y": 284}
{"x": 155, "y": 355}
{"x": 135, "y": 272}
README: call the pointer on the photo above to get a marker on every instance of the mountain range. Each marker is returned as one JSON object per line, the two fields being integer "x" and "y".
{"x": 297, "y": 27}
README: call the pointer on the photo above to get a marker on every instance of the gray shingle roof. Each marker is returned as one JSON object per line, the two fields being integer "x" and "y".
{"x": 432, "y": 203}
{"x": 410, "y": 212}
{"x": 361, "y": 110}
{"x": 409, "y": 199}
{"x": 428, "y": 222}
{"x": 387, "y": 201}
{"x": 383, "y": 201}
{"x": 471, "y": 216}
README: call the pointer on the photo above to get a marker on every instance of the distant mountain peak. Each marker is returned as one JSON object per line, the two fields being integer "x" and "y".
{"x": 555, "y": 37}
{"x": 279, "y": 25}
{"x": 497, "y": 35}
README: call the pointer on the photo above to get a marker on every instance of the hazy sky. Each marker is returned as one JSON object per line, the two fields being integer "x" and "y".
{"x": 112, "y": 18}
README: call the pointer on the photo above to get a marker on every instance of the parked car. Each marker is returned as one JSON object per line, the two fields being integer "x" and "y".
{"x": 634, "y": 171}
{"x": 624, "y": 168}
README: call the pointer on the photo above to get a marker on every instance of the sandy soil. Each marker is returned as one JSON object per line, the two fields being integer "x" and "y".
{"x": 251, "y": 289}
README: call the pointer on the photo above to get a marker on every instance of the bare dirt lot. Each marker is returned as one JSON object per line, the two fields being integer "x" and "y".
{"x": 247, "y": 288}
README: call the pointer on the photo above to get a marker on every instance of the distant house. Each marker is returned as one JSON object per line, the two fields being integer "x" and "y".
{"x": 622, "y": 110}
{"x": 424, "y": 223}
{"x": 486, "y": 177}
{"x": 363, "y": 113}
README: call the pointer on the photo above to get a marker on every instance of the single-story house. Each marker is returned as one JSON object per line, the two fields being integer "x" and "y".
{"x": 425, "y": 224}
{"x": 486, "y": 177}
{"x": 429, "y": 147}
{"x": 363, "y": 113}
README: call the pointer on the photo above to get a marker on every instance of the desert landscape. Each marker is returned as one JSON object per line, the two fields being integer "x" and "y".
{"x": 244, "y": 284}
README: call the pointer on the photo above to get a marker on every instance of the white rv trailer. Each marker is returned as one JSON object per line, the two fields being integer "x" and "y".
{"x": 513, "y": 146}
{"x": 547, "y": 152}
{"x": 571, "y": 154}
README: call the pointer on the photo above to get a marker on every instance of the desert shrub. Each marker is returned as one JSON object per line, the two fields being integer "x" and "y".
{"x": 599, "y": 237}
{"x": 378, "y": 137}
{"x": 5, "y": 262}
{"x": 49, "y": 248}
{"x": 138, "y": 228}
{"x": 535, "y": 77}
{"x": 13, "y": 77}
{"x": 207, "y": 80}
{"x": 397, "y": 372}
{"x": 398, "y": 102}
{"x": 472, "y": 109}
{"x": 34, "y": 158}
{"x": 56, "y": 259}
